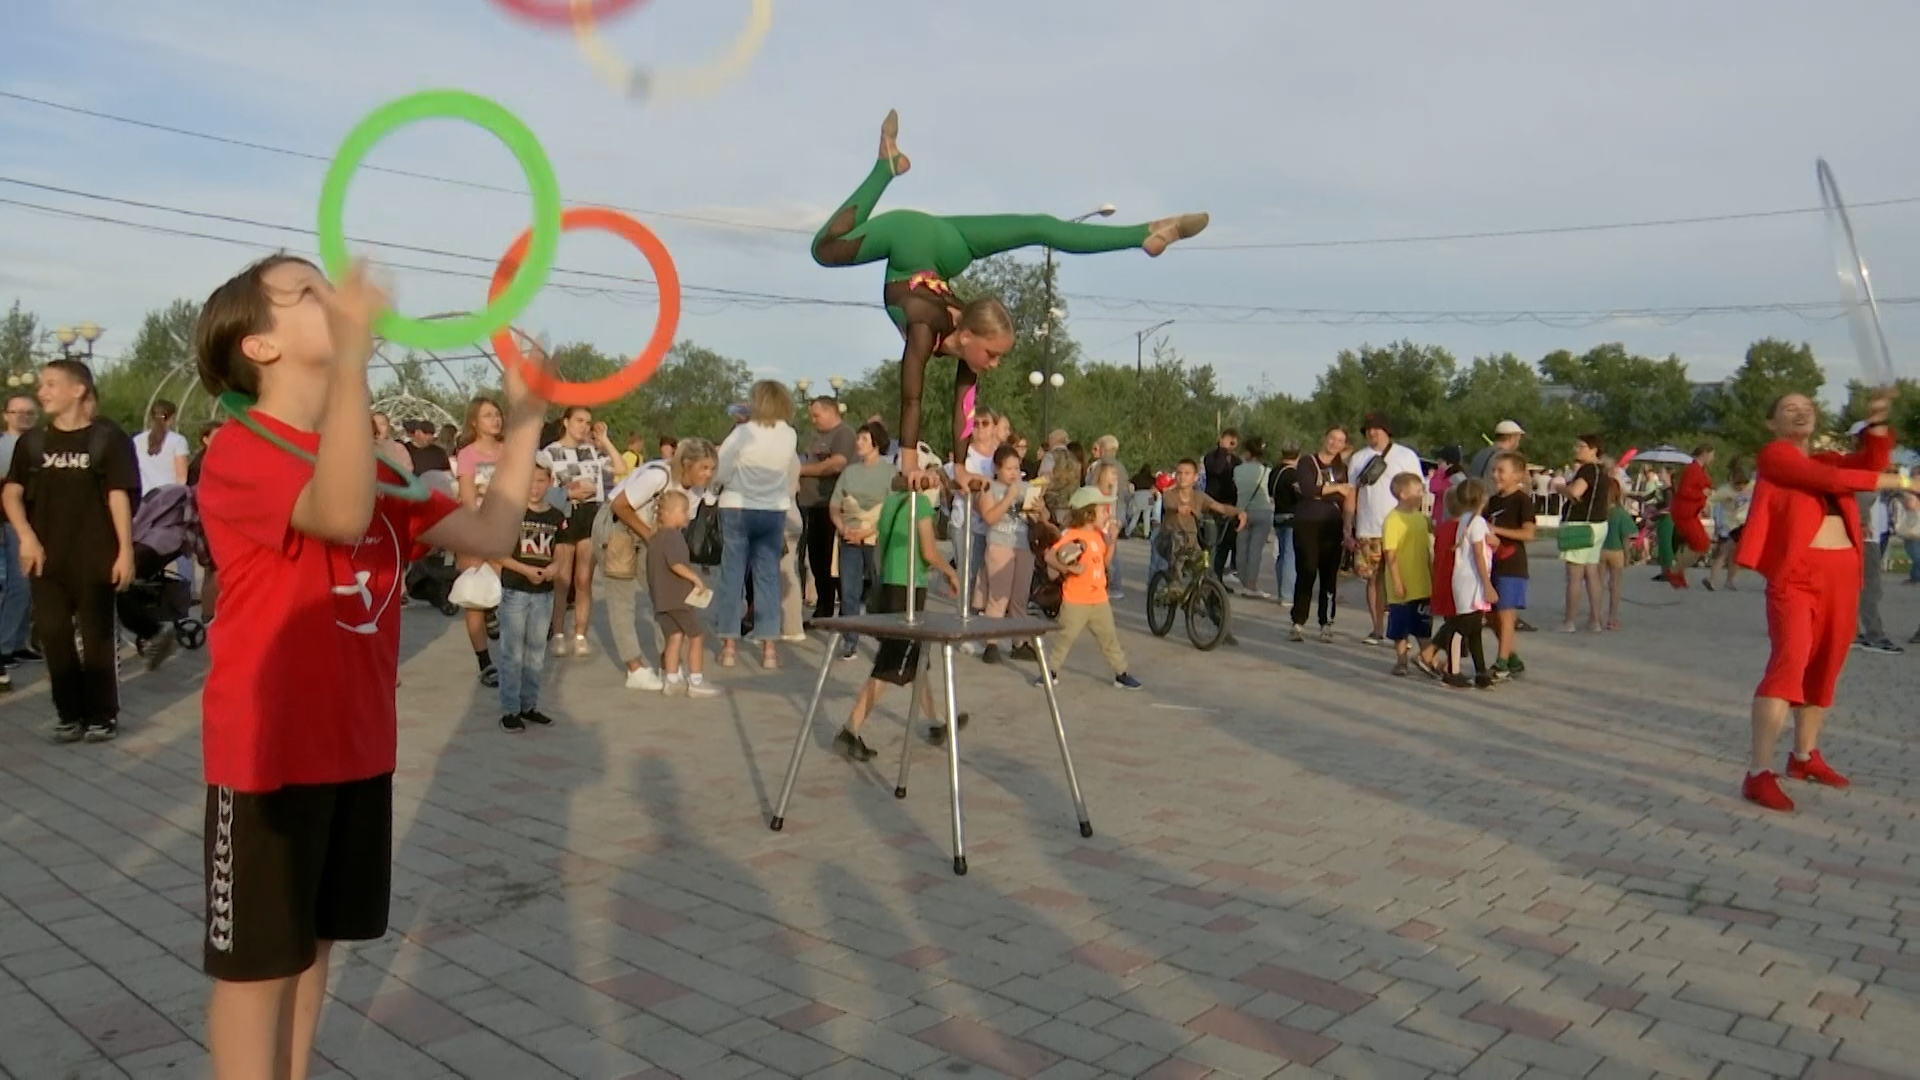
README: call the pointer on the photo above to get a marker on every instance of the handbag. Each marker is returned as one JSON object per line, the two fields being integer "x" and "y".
{"x": 478, "y": 588}
{"x": 703, "y": 535}
{"x": 1578, "y": 535}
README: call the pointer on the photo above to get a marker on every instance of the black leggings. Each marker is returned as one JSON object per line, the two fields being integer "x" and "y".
{"x": 821, "y": 539}
{"x": 86, "y": 681}
{"x": 1316, "y": 558}
{"x": 1468, "y": 626}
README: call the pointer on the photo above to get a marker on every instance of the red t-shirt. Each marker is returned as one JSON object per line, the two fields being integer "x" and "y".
{"x": 1445, "y": 538}
{"x": 307, "y": 646}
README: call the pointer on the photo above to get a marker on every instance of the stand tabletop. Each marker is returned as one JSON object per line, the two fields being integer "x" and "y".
{"x": 937, "y": 627}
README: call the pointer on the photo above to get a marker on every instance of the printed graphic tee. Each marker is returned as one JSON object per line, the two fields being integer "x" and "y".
{"x": 304, "y": 656}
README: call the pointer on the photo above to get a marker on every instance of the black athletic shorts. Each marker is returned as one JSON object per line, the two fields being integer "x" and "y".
{"x": 291, "y": 868}
{"x": 579, "y": 526}
{"x": 897, "y": 660}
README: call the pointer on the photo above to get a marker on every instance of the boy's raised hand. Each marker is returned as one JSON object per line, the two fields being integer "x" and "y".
{"x": 352, "y": 305}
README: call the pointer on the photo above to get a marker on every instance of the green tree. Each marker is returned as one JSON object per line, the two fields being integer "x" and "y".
{"x": 1772, "y": 368}
{"x": 1505, "y": 387}
{"x": 1904, "y": 418}
{"x": 1408, "y": 382}
{"x": 1632, "y": 400}
{"x": 158, "y": 365}
{"x": 18, "y": 332}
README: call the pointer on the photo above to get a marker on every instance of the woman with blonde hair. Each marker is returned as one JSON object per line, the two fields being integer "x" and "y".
{"x": 634, "y": 507}
{"x": 758, "y": 468}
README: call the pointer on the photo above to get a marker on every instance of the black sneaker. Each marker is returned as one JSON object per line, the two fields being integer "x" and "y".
{"x": 849, "y": 648}
{"x": 25, "y": 656}
{"x": 1457, "y": 682}
{"x": 1882, "y": 646}
{"x": 852, "y": 747}
{"x": 937, "y": 734}
{"x": 493, "y": 626}
{"x": 490, "y": 677}
{"x": 1484, "y": 682}
{"x": 990, "y": 655}
{"x": 1124, "y": 681}
{"x": 101, "y": 730}
{"x": 6, "y": 681}
{"x": 512, "y": 722}
{"x": 1026, "y": 652}
{"x": 536, "y": 717}
{"x": 66, "y": 731}
{"x": 161, "y": 646}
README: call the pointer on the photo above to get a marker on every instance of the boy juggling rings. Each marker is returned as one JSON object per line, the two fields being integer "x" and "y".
{"x": 299, "y": 730}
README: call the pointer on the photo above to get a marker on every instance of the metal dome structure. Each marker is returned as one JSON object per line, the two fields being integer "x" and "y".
{"x": 399, "y": 405}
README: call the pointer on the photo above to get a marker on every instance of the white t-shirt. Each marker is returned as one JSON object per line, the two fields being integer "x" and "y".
{"x": 642, "y": 487}
{"x": 978, "y": 464}
{"x": 584, "y": 462}
{"x": 1375, "y": 501}
{"x": 1470, "y": 544}
{"x": 157, "y": 470}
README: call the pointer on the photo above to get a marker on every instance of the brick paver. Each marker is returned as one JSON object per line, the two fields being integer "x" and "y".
{"x": 1302, "y": 867}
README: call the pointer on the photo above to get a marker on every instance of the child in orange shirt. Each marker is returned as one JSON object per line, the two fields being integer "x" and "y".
{"x": 1080, "y": 556}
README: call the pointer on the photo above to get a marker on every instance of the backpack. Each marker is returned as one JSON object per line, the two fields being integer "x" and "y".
{"x": 101, "y": 436}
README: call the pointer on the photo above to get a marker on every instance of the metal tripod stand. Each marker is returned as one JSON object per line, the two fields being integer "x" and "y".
{"x": 947, "y": 632}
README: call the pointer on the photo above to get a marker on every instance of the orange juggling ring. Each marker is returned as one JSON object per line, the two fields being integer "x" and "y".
{"x": 628, "y": 379}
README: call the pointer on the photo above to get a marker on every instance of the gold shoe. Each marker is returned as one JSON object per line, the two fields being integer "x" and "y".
{"x": 889, "y": 145}
{"x": 1167, "y": 230}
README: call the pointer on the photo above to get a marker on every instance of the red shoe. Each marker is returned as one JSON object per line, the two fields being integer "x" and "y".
{"x": 1677, "y": 579}
{"x": 1815, "y": 770}
{"x": 1764, "y": 788}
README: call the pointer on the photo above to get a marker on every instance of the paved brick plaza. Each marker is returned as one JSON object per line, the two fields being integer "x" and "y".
{"x": 1301, "y": 867}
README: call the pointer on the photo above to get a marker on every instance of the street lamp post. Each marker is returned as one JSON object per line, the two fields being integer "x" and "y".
{"x": 1140, "y": 346}
{"x": 839, "y": 383}
{"x": 86, "y": 333}
{"x": 1046, "y": 382}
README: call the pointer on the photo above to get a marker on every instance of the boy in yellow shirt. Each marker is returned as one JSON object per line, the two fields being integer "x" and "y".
{"x": 1407, "y": 542}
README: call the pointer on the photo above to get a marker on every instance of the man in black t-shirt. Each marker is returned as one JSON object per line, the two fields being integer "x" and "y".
{"x": 69, "y": 495}
{"x": 1217, "y": 475}
{"x": 426, "y": 455}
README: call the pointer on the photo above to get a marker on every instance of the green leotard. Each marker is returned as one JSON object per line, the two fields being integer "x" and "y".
{"x": 924, "y": 252}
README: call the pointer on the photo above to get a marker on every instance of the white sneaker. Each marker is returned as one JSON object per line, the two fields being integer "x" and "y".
{"x": 675, "y": 686}
{"x": 579, "y": 645}
{"x": 559, "y": 644}
{"x": 643, "y": 679}
{"x": 702, "y": 689}
{"x": 794, "y": 637}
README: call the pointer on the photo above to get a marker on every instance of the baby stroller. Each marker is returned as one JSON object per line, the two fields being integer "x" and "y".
{"x": 165, "y": 530}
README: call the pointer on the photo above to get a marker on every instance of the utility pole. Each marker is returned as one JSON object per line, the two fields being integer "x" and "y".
{"x": 1140, "y": 347}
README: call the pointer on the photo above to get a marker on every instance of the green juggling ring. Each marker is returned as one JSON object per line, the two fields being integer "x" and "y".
{"x": 541, "y": 182}
{"x": 240, "y": 407}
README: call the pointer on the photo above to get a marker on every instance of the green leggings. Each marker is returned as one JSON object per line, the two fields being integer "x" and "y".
{"x": 911, "y": 241}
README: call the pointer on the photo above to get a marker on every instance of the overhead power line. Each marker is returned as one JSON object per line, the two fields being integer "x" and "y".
{"x": 729, "y": 223}
{"x": 632, "y": 289}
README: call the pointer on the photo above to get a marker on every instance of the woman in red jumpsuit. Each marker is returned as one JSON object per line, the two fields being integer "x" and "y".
{"x": 1689, "y": 502}
{"x": 1803, "y": 536}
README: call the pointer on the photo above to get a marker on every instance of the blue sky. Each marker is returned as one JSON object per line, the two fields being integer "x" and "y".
{"x": 1289, "y": 122}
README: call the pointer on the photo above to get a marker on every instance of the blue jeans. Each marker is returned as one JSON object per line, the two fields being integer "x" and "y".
{"x": 523, "y": 647}
{"x": 750, "y": 542}
{"x": 859, "y": 564}
{"x": 1913, "y": 570}
{"x": 1283, "y": 568}
{"x": 16, "y": 603}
